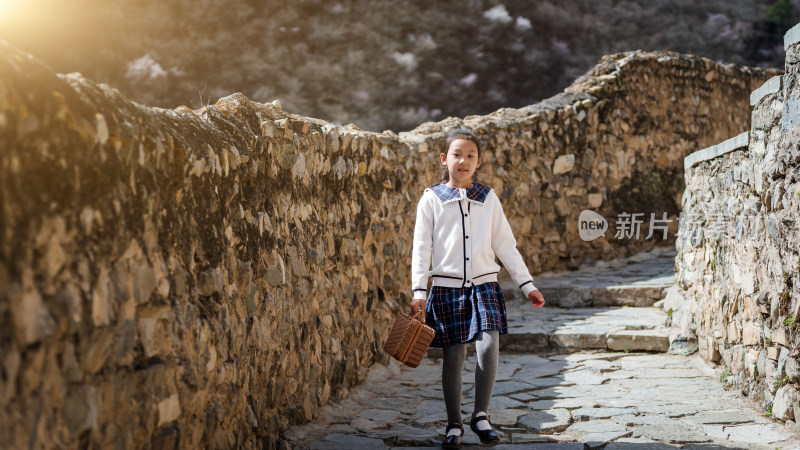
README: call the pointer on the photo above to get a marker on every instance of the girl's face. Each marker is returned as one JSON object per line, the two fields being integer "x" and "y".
{"x": 461, "y": 160}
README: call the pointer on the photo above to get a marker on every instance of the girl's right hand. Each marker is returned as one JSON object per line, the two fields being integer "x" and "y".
{"x": 536, "y": 298}
{"x": 416, "y": 305}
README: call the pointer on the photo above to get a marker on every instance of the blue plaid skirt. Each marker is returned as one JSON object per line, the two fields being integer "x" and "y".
{"x": 457, "y": 315}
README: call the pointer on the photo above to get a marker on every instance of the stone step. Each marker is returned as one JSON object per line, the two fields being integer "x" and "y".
{"x": 640, "y": 280}
{"x": 610, "y": 328}
{"x": 607, "y": 306}
{"x": 559, "y": 330}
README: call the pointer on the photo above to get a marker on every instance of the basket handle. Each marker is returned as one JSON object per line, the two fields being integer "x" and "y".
{"x": 418, "y": 315}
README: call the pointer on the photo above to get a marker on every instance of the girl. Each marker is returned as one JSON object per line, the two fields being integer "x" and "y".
{"x": 460, "y": 228}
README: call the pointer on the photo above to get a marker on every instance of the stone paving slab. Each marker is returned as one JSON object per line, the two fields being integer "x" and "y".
{"x": 599, "y": 440}
{"x": 639, "y": 444}
{"x": 665, "y": 401}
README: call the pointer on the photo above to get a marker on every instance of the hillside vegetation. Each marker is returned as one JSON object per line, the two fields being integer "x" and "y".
{"x": 384, "y": 64}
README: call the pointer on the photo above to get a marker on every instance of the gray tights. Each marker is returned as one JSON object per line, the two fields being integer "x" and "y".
{"x": 487, "y": 346}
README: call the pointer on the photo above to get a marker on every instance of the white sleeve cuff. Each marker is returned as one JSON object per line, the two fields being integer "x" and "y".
{"x": 528, "y": 288}
{"x": 420, "y": 295}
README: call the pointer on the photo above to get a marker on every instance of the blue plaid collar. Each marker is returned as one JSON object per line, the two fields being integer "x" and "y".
{"x": 446, "y": 194}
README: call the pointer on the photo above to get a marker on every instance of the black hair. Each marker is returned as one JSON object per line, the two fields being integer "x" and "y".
{"x": 454, "y": 135}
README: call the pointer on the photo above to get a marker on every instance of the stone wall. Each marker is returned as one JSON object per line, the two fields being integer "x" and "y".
{"x": 613, "y": 142}
{"x": 738, "y": 260}
{"x": 179, "y": 278}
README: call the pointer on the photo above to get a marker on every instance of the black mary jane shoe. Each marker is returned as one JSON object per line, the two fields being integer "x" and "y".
{"x": 490, "y": 436}
{"x": 453, "y": 441}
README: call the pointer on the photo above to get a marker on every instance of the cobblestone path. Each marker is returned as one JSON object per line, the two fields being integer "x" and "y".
{"x": 569, "y": 378}
{"x": 573, "y": 401}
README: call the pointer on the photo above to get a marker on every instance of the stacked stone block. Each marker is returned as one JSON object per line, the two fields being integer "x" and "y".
{"x": 738, "y": 262}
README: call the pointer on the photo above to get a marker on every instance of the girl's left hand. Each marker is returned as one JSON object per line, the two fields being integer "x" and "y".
{"x": 416, "y": 305}
{"x": 537, "y": 298}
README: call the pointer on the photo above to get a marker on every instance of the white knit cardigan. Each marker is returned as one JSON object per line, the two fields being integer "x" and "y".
{"x": 460, "y": 232}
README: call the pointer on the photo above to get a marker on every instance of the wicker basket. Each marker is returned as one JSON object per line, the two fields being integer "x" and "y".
{"x": 409, "y": 339}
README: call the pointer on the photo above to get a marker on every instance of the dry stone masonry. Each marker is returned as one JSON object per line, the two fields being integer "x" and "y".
{"x": 738, "y": 260}
{"x": 206, "y": 278}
